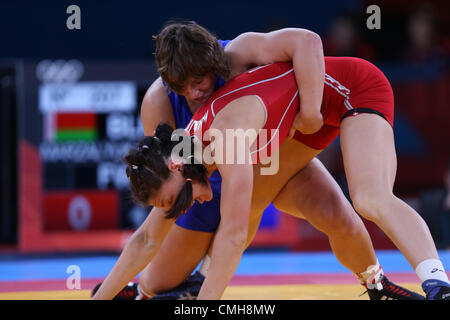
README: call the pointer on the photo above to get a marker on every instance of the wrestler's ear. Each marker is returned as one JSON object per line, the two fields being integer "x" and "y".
{"x": 175, "y": 167}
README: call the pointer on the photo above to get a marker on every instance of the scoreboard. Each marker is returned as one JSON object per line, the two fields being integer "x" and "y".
{"x": 79, "y": 120}
{"x": 87, "y": 129}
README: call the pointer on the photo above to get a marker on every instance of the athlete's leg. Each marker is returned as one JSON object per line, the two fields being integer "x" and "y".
{"x": 266, "y": 187}
{"x": 293, "y": 157}
{"x": 186, "y": 243}
{"x": 179, "y": 255}
{"x": 304, "y": 188}
{"x": 370, "y": 162}
{"x": 314, "y": 195}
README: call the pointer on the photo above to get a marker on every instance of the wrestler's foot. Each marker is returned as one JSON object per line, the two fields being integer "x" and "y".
{"x": 391, "y": 291}
{"x": 436, "y": 289}
{"x": 130, "y": 292}
{"x": 188, "y": 290}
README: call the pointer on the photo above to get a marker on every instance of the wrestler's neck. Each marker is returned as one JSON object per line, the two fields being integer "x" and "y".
{"x": 210, "y": 168}
{"x": 193, "y": 106}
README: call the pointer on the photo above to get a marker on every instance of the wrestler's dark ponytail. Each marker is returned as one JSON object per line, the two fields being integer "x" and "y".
{"x": 147, "y": 170}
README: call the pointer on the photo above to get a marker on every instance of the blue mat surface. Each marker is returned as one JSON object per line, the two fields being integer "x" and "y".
{"x": 13, "y": 268}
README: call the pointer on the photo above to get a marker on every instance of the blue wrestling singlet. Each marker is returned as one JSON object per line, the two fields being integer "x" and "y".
{"x": 200, "y": 217}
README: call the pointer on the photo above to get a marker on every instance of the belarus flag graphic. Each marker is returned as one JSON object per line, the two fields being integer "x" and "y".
{"x": 69, "y": 127}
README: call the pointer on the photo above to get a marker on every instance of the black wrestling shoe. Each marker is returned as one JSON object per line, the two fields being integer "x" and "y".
{"x": 391, "y": 291}
{"x": 188, "y": 290}
{"x": 130, "y": 292}
{"x": 436, "y": 289}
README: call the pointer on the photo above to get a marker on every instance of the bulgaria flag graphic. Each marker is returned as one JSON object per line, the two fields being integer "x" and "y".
{"x": 70, "y": 127}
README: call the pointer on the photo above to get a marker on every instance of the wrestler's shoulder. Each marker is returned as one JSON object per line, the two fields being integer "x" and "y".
{"x": 156, "y": 107}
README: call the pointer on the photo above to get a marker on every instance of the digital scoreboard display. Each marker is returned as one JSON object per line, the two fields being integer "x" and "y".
{"x": 87, "y": 128}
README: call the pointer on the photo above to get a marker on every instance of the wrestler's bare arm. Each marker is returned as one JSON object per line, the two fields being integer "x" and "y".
{"x": 137, "y": 254}
{"x": 304, "y": 49}
{"x": 236, "y": 195}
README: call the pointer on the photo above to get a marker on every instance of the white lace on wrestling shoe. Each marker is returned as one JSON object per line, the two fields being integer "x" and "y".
{"x": 392, "y": 291}
{"x": 380, "y": 288}
{"x": 129, "y": 292}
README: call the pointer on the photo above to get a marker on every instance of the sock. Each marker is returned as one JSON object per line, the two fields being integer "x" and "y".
{"x": 371, "y": 278}
{"x": 431, "y": 269}
{"x": 142, "y": 295}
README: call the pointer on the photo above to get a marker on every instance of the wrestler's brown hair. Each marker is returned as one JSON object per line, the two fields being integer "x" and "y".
{"x": 185, "y": 49}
